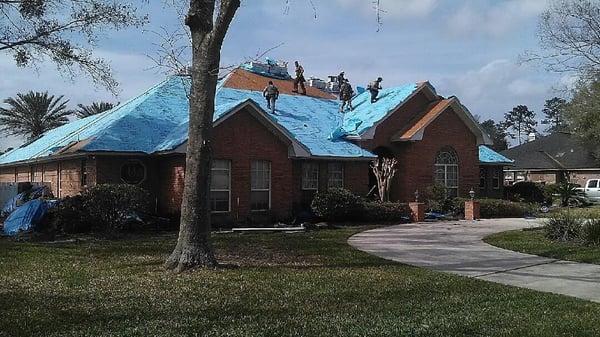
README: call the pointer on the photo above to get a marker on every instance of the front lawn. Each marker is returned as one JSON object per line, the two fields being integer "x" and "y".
{"x": 534, "y": 242}
{"x": 304, "y": 284}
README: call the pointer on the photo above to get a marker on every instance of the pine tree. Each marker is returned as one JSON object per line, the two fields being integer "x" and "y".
{"x": 521, "y": 121}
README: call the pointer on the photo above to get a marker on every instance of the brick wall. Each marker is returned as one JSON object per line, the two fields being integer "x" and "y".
{"x": 63, "y": 176}
{"x": 416, "y": 159}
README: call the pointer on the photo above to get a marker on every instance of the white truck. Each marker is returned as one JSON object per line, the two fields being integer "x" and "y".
{"x": 592, "y": 190}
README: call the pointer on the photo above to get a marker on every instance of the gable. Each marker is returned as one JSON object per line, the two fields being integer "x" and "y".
{"x": 415, "y": 130}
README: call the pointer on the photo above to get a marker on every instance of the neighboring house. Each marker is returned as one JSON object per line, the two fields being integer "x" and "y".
{"x": 266, "y": 167}
{"x": 551, "y": 159}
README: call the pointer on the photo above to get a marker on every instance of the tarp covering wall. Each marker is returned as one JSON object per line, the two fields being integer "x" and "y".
{"x": 25, "y": 217}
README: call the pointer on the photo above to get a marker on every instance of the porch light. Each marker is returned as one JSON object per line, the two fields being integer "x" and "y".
{"x": 472, "y": 194}
{"x": 417, "y": 195}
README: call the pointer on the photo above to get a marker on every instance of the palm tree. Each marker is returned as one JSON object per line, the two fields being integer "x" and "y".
{"x": 32, "y": 114}
{"x": 93, "y": 109}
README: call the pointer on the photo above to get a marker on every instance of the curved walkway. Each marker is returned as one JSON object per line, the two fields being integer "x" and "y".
{"x": 457, "y": 247}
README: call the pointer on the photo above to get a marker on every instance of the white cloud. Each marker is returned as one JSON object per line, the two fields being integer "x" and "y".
{"x": 394, "y": 8}
{"x": 497, "y": 87}
{"x": 495, "y": 19}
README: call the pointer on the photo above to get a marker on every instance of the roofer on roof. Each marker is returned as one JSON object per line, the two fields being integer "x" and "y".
{"x": 271, "y": 93}
{"x": 374, "y": 88}
{"x": 299, "y": 79}
{"x": 340, "y": 81}
{"x": 346, "y": 93}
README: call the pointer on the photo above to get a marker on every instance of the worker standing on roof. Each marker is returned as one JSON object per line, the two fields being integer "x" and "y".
{"x": 341, "y": 80}
{"x": 346, "y": 93}
{"x": 271, "y": 93}
{"x": 299, "y": 79}
{"x": 374, "y": 88}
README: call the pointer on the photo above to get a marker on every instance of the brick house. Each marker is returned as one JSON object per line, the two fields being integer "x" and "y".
{"x": 552, "y": 159}
{"x": 266, "y": 167}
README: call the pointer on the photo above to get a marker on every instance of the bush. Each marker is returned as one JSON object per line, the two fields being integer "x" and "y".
{"x": 337, "y": 204}
{"x": 385, "y": 211}
{"x": 564, "y": 226}
{"x": 100, "y": 208}
{"x": 527, "y": 191}
{"x": 110, "y": 207}
{"x": 69, "y": 217}
{"x": 497, "y": 208}
{"x": 591, "y": 232}
{"x": 437, "y": 199}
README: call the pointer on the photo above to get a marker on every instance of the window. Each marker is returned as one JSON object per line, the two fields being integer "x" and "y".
{"x": 496, "y": 179}
{"x": 446, "y": 170}
{"x": 482, "y": 177}
{"x": 220, "y": 186}
{"x": 260, "y": 190}
{"x": 593, "y": 184}
{"x": 310, "y": 176}
{"x": 133, "y": 172}
{"x": 335, "y": 175}
{"x": 84, "y": 174}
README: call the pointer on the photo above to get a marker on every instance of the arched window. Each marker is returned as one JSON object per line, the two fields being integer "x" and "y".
{"x": 446, "y": 170}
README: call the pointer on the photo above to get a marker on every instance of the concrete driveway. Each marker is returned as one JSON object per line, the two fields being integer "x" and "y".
{"x": 457, "y": 247}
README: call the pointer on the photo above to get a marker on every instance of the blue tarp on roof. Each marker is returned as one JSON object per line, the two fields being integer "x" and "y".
{"x": 365, "y": 114}
{"x": 157, "y": 121}
{"x": 489, "y": 156}
{"x": 309, "y": 120}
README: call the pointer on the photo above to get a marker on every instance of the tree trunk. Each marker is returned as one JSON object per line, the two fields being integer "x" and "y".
{"x": 194, "y": 248}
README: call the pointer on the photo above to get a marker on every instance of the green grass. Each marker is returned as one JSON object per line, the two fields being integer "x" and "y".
{"x": 534, "y": 242}
{"x": 304, "y": 284}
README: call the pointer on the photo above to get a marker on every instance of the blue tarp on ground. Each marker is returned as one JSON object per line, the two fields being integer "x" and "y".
{"x": 25, "y": 217}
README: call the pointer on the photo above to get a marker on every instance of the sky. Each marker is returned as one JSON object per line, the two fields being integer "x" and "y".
{"x": 465, "y": 48}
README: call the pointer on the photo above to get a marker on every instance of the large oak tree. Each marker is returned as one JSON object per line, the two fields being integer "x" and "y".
{"x": 208, "y": 22}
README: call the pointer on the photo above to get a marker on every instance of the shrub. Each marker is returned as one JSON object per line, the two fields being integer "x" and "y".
{"x": 69, "y": 217}
{"x": 591, "y": 232}
{"x": 100, "y": 208}
{"x": 385, "y": 211}
{"x": 337, "y": 204}
{"x": 110, "y": 206}
{"x": 437, "y": 199}
{"x": 497, "y": 208}
{"x": 564, "y": 226}
{"x": 527, "y": 191}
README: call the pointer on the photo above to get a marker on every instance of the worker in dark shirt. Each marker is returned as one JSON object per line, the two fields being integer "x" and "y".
{"x": 340, "y": 82}
{"x": 346, "y": 93}
{"x": 374, "y": 88}
{"x": 299, "y": 79}
{"x": 271, "y": 93}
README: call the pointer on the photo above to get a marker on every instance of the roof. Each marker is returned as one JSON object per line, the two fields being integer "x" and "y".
{"x": 558, "y": 151}
{"x": 246, "y": 80}
{"x": 491, "y": 157}
{"x": 366, "y": 114}
{"x": 157, "y": 120}
{"x": 162, "y": 113}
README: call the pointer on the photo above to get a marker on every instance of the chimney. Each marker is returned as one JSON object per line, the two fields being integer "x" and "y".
{"x": 531, "y": 137}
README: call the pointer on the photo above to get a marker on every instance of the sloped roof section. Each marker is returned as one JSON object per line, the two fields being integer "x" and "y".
{"x": 558, "y": 151}
{"x": 491, "y": 157}
{"x": 308, "y": 119}
{"x": 246, "y": 80}
{"x": 157, "y": 121}
{"x": 366, "y": 114}
{"x": 138, "y": 125}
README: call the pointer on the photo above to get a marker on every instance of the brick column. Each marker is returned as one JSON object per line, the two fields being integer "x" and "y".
{"x": 417, "y": 211}
{"x": 472, "y": 210}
